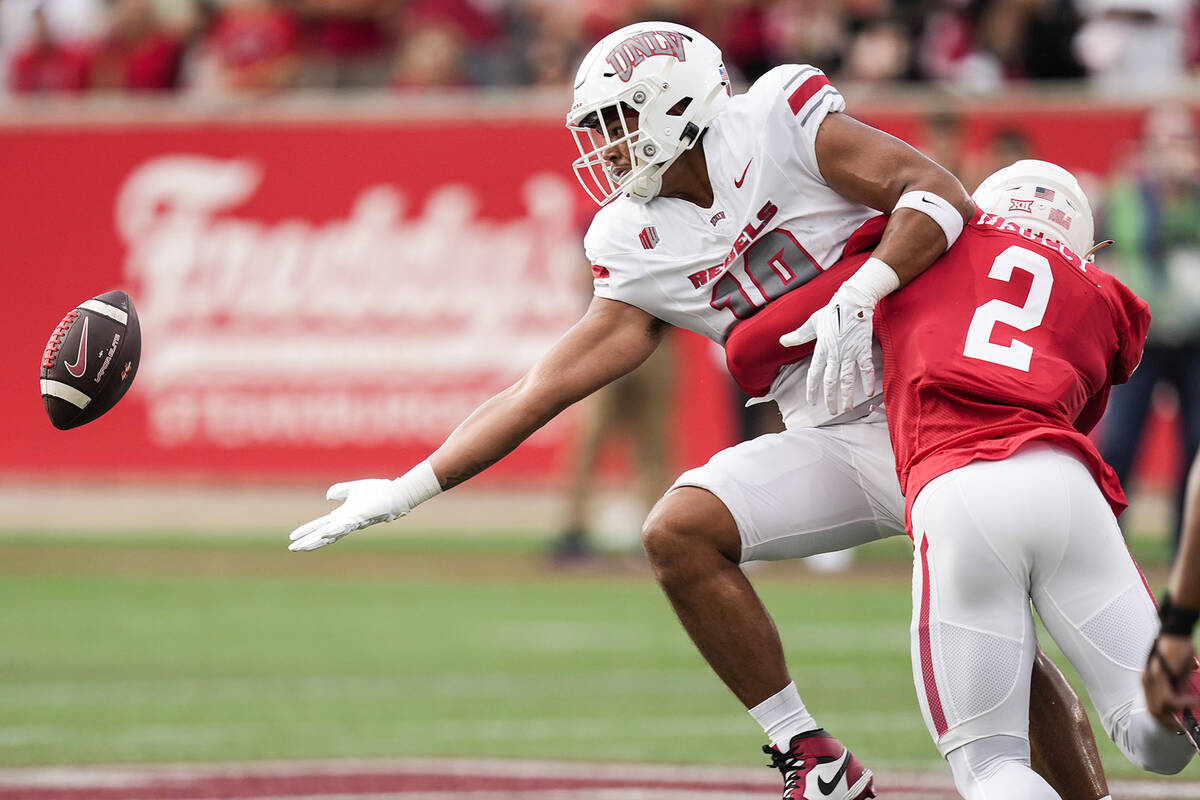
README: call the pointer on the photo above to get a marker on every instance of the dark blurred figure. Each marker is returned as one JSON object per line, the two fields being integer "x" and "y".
{"x": 46, "y": 65}
{"x": 545, "y": 40}
{"x": 806, "y": 32}
{"x": 942, "y": 140}
{"x": 637, "y": 408}
{"x": 982, "y": 44}
{"x": 1153, "y": 215}
{"x": 350, "y": 42}
{"x": 446, "y": 43}
{"x": 137, "y": 52}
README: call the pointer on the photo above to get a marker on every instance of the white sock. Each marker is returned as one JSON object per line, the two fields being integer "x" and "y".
{"x": 782, "y": 716}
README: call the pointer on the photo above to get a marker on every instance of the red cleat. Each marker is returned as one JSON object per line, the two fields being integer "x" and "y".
{"x": 817, "y": 767}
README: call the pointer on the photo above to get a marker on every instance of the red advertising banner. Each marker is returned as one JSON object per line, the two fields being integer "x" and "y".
{"x": 329, "y": 297}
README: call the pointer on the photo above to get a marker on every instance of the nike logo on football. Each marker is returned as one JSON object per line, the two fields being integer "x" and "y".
{"x": 738, "y": 183}
{"x": 80, "y": 366}
{"x": 827, "y": 787}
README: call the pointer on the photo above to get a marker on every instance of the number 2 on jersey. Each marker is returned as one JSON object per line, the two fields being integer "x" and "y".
{"x": 1018, "y": 354}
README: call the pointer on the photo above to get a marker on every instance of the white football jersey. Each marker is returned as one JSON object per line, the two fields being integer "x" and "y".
{"x": 774, "y": 224}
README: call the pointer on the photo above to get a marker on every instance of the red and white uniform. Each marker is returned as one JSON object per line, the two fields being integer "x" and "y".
{"x": 774, "y": 231}
{"x": 997, "y": 360}
{"x": 1008, "y": 339}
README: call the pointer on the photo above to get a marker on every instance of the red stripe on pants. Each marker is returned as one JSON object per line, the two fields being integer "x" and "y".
{"x": 927, "y": 676}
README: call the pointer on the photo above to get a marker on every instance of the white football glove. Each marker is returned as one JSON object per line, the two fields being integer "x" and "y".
{"x": 843, "y": 331}
{"x": 366, "y": 503}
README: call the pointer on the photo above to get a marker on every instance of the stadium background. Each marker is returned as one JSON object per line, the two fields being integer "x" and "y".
{"x": 336, "y": 254}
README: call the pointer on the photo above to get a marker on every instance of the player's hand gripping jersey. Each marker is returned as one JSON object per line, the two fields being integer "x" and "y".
{"x": 773, "y": 226}
{"x": 1009, "y": 338}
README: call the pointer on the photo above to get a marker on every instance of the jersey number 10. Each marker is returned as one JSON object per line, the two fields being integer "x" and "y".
{"x": 776, "y": 264}
{"x": 1026, "y": 317}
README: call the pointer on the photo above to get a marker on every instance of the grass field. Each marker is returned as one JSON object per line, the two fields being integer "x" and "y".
{"x": 168, "y": 649}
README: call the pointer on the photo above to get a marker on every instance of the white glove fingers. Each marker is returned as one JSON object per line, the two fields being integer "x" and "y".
{"x": 339, "y": 491}
{"x": 328, "y": 534}
{"x": 816, "y": 373}
{"x": 309, "y": 527}
{"x": 830, "y": 384}
{"x": 846, "y": 386}
{"x": 866, "y": 368}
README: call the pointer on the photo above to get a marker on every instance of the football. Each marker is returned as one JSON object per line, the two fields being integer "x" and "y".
{"x": 91, "y": 359}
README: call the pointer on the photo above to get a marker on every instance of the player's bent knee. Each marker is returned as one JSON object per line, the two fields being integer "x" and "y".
{"x": 687, "y": 522}
{"x": 1150, "y": 746}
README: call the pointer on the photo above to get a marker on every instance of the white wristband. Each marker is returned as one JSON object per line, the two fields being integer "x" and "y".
{"x": 875, "y": 279}
{"x": 417, "y": 485}
{"x": 936, "y": 208}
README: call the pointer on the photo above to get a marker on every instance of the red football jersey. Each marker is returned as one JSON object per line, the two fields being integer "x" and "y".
{"x": 1008, "y": 338}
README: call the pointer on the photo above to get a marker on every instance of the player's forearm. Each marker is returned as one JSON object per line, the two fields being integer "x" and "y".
{"x": 492, "y": 431}
{"x": 1184, "y": 585}
{"x": 928, "y": 205}
{"x": 911, "y": 242}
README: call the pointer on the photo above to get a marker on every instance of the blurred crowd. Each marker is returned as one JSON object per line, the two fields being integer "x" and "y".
{"x": 78, "y": 46}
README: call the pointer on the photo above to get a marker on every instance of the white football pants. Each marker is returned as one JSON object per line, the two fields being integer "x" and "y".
{"x": 807, "y": 490}
{"x": 990, "y": 537}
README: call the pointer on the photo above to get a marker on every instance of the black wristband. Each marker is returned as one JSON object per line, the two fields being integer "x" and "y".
{"x": 1176, "y": 621}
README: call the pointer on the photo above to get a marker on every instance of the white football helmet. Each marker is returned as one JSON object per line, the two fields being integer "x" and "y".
{"x": 669, "y": 78}
{"x": 1043, "y": 197}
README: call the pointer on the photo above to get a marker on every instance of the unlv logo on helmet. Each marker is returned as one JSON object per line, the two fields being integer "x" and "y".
{"x": 637, "y": 48}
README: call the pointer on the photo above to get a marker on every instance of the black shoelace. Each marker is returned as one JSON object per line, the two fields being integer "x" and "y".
{"x": 788, "y": 763}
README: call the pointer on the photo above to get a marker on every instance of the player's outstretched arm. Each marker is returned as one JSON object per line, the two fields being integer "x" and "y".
{"x": 928, "y": 208}
{"x": 1172, "y": 657}
{"x": 609, "y": 341}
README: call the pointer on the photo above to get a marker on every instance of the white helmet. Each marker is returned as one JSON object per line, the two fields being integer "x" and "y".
{"x": 1043, "y": 197}
{"x": 667, "y": 76}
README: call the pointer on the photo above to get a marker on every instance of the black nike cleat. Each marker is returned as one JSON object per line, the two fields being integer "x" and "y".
{"x": 817, "y": 767}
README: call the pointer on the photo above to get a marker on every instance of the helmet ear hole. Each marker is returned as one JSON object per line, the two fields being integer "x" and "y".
{"x": 679, "y": 108}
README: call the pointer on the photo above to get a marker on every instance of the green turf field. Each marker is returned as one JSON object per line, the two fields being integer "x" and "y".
{"x": 157, "y": 649}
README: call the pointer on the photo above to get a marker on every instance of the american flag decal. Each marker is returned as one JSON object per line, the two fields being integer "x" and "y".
{"x": 649, "y": 237}
{"x": 1059, "y": 218}
{"x": 1042, "y": 193}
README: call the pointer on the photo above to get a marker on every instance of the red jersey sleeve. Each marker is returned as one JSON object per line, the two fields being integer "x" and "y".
{"x": 1132, "y": 317}
{"x": 753, "y": 352}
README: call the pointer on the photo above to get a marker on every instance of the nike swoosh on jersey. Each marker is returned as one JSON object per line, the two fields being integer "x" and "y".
{"x": 827, "y": 787}
{"x": 80, "y": 366}
{"x": 738, "y": 183}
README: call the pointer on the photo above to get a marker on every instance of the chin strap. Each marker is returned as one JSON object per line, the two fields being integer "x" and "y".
{"x": 1096, "y": 248}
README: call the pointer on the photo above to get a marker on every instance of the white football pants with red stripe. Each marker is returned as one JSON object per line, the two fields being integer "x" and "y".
{"x": 994, "y": 535}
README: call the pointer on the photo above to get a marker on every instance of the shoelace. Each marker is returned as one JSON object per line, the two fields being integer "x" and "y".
{"x": 56, "y": 338}
{"x": 789, "y": 764}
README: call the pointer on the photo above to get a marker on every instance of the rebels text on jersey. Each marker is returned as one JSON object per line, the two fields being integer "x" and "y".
{"x": 1007, "y": 339}
{"x": 774, "y": 223}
